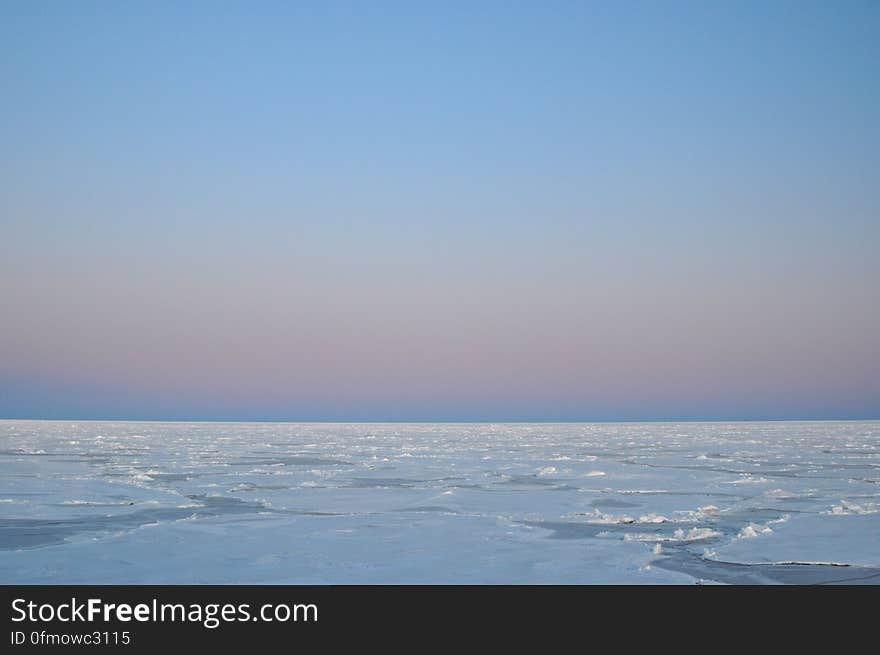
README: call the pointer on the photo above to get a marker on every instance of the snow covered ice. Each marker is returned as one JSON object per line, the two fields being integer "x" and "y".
{"x": 667, "y": 503}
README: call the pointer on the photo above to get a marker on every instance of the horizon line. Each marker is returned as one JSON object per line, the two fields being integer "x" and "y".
{"x": 454, "y": 421}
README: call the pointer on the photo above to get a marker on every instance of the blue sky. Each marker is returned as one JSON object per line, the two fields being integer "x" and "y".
{"x": 526, "y": 211}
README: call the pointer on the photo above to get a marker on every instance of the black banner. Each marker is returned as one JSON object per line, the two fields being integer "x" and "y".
{"x": 149, "y": 618}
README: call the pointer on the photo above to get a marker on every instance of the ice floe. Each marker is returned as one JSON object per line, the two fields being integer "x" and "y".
{"x": 449, "y": 503}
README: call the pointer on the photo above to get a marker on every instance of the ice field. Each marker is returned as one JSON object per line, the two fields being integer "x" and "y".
{"x": 651, "y": 503}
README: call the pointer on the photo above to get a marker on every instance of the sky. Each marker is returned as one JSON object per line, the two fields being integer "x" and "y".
{"x": 439, "y": 211}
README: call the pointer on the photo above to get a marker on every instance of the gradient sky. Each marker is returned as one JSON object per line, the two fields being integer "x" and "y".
{"x": 448, "y": 210}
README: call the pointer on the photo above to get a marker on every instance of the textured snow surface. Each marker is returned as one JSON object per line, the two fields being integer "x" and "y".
{"x": 776, "y": 502}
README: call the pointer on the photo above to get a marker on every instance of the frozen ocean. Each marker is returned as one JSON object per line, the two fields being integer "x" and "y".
{"x": 320, "y": 503}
